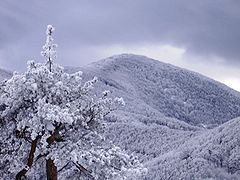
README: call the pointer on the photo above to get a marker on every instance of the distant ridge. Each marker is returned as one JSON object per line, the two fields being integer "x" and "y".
{"x": 4, "y": 74}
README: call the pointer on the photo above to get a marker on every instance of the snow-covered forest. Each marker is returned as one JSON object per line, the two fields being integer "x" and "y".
{"x": 123, "y": 117}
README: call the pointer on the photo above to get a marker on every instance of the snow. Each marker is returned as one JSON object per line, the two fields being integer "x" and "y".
{"x": 173, "y": 91}
{"x": 181, "y": 125}
{"x": 170, "y": 118}
{"x": 52, "y": 125}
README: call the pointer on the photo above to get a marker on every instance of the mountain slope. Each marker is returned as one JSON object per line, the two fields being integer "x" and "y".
{"x": 172, "y": 91}
{"x": 213, "y": 154}
{"x": 165, "y": 118}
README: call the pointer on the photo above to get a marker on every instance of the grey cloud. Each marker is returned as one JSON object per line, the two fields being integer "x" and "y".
{"x": 203, "y": 27}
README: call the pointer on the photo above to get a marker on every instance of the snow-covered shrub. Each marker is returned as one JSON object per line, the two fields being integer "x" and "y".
{"x": 51, "y": 125}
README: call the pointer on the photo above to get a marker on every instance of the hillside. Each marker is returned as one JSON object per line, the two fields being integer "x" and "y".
{"x": 181, "y": 124}
{"x": 166, "y": 89}
{"x": 213, "y": 154}
{"x": 165, "y": 118}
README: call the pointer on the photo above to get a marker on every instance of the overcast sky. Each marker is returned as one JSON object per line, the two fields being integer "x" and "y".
{"x": 201, "y": 35}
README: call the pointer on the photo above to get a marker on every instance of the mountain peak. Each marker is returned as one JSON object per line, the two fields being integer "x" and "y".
{"x": 175, "y": 92}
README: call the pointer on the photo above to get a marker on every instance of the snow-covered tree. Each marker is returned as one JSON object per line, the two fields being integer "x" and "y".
{"x": 51, "y": 126}
{"x": 49, "y": 49}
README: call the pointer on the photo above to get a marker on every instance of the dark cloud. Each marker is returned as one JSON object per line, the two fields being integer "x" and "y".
{"x": 203, "y": 27}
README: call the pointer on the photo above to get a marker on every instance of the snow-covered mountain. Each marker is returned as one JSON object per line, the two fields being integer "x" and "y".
{"x": 181, "y": 124}
{"x": 212, "y": 154}
{"x": 166, "y": 89}
{"x": 177, "y": 121}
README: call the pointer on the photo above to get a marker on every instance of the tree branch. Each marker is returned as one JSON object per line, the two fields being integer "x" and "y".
{"x": 84, "y": 170}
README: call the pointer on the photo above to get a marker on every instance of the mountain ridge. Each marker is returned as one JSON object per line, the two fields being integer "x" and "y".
{"x": 175, "y": 92}
{"x": 129, "y": 55}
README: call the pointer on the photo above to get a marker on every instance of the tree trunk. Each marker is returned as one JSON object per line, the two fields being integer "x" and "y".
{"x": 50, "y": 166}
{"x": 30, "y": 159}
{"x": 51, "y": 170}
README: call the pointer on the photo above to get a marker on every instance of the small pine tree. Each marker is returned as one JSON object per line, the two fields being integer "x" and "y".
{"x": 51, "y": 126}
{"x": 49, "y": 49}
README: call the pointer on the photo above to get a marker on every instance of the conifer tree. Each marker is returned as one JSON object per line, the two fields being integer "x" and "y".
{"x": 49, "y": 49}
